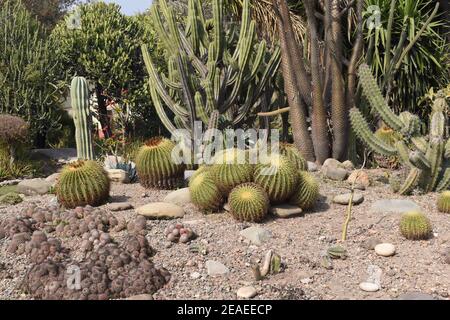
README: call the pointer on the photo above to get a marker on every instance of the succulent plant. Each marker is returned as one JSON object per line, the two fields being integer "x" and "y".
{"x": 294, "y": 155}
{"x": 229, "y": 172}
{"x": 129, "y": 169}
{"x": 11, "y": 198}
{"x": 415, "y": 225}
{"x": 249, "y": 202}
{"x": 179, "y": 233}
{"x": 83, "y": 183}
{"x": 82, "y": 118}
{"x": 306, "y": 192}
{"x": 443, "y": 202}
{"x": 205, "y": 193}
{"x": 13, "y": 131}
{"x": 155, "y": 166}
{"x": 278, "y": 176}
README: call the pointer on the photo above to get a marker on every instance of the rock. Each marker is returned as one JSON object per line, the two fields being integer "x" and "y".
{"x": 246, "y": 292}
{"x": 34, "y": 187}
{"x": 256, "y": 235}
{"x": 53, "y": 179}
{"x": 332, "y": 163}
{"x": 10, "y": 182}
{"x": 141, "y": 297}
{"x": 312, "y": 167}
{"x": 118, "y": 175}
{"x": 337, "y": 174}
{"x": 344, "y": 199}
{"x": 285, "y": 211}
{"x": 370, "y": 243}
{"x": 112, "y": 161}
{"x": 360, "y": 179}
{"x": 120, "y": 206}
{"x": 227, "y": 207}
{"x": 215, "y": 268}
{"x": 348, "y": 165}
{"x": 369, "y": 287}
{"x": 394, "y": 206}
{"x": 179, "y": 197}
{"x": 385, "y": 249}
{"x": 447, "y": 257}
{"x": 161, "y": 210}
{"x": 415, "y": 296}
{"x": 188, "y": 174}
{"x": 195, "y": 275}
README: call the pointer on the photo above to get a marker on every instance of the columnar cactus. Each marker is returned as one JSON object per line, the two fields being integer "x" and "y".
{"x": 428, "y": 157}
{"x": 82, "y": 118}
{"x": 211, "y": 68}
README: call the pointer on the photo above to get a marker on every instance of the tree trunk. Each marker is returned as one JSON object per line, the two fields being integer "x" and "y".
{"x": 298, "y": 110}
{"x": 339, "y": 110}
{"x": 319, "y": 114}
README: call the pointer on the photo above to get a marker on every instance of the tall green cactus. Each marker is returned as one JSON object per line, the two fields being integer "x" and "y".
{"x": 82, "y": 118}
{"x": 211, "y": 67}
{"x": 428, "y": 156}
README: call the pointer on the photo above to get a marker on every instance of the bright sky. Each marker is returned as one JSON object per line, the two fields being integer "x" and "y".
{"x": 131, "y": 7}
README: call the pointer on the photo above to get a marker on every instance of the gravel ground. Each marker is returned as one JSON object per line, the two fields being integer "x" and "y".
{"x": 300, "y": 241}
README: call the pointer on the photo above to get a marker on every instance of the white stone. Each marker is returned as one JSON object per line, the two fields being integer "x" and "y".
{"x": 246, "y": 292}
{"x": 53, "y": 179}
{"x": 385, "y": 249}
{"x": 285, "y": 211}
{"x": 256, "y": 235}
{"x": 312, "y": 167}
{"x": 215, "y": 268}
{"x": 161, "y": 210}
{"x": 179, "y": 197}
{"x": 120, "y": 206}
{"x": 369, "y": 287}
{"x": 195, "y": 275}
{"x": 118, "y": 175}
{"x": 344, "y": 199}
{"x": 394, "y": 206}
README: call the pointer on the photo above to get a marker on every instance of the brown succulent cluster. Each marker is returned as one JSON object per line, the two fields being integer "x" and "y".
{"x": 12, "y": 129}
{"x": 178, "y": 233}
{"x": 108, "y": 270}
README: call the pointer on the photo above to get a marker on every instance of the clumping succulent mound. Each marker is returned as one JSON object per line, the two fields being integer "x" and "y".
{"x": 83, "y": 183}
{"x": 205, "y": 194}
{"x": 277, "y": 176}
{"x": 155, "y": 166}
{"x": 249, "y": 202}
{"x": 307, "y": 191}
{"x": 443, "y": 202}
{"x": 179, "y": 233}
{"x": 11, "y": 198}
{"x": 294, "y": 155}
{"x": 231, "y": 168}
{"x": 12, "y": 129}
{"x": 415, "y": 225}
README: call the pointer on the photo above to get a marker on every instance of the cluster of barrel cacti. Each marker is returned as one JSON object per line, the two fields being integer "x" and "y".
{"x": 251, "y": 189}
{"x": 427, "y": 156}
{"x": 213, "y": 68}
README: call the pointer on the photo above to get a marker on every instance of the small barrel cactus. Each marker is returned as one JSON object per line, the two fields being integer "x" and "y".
{"x": 278, "y": 177}
{"x": 205, "y": 193}
{"x": 443, "y": 202}
{"x": 294, "y": 155}
{"x": 307, "y": 191}
{"x": 83, "y": 183}
{"x": 230, "y": 169}
{"x": 155, "y": 166}
{"x": 249, "y": 202}
{"x": 415, "y": 225}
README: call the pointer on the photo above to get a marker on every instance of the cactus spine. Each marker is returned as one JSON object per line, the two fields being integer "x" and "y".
{"x": 415, "y": 226}
{"x": 426, "y": 156}
{"x": 249, "y": 202}
{"x": 443, "y": 202}
{"x": 82, "y": 118}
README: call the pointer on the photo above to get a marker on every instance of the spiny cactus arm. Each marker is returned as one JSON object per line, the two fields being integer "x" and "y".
{"x": 170, "y": 84}
{"x": 420, "y": 143}
{"x": 249, "y": 103}
{"x": 411, "y": 124}
{"x": 444, "y": 184}
{"x": 218, "y": 29}
{"x": 411, "y": 182}
{"x": 403, "y": 152}
{"x": 187, "y": 90}
{"x": 245, "y": 26}
{"x": 160, "y": 110}
{"x": 257, "y": 61}
{"x": 435, "y": 155}
{"x": 362, "y": 130}
{"x": 165, "y": 35}
{"x": 157, "y": 82}
{"x": 210, "y": 99}
{"x": 373, "y": 94}
{"x": 196, "y": 62}
{"x": 175, "y": 39}
{"x": 200, "y": 108}
{"x": 437, "y": 125}
{"x": 447, "y": 149}
{"x": 419, "y": 160}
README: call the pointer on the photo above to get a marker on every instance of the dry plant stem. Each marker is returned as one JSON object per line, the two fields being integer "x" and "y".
{"x": 349, "y": 215}
{"x": 274, "y": 113}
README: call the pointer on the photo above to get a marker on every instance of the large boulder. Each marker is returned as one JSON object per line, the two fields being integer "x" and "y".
{"x": 334, "y": 170}
{"x": 34, "y": 187}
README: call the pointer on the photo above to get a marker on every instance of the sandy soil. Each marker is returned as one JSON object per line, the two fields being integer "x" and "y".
{"x": 300, "y": 241}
